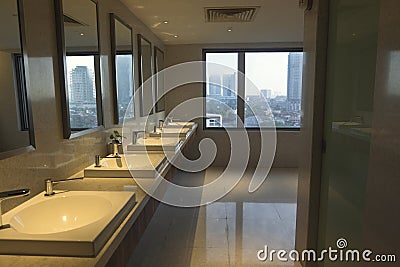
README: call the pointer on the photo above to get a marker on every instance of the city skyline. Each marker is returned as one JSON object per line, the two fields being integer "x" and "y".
{"x": 266, "y": 70}
{"x": 82, "y": 92}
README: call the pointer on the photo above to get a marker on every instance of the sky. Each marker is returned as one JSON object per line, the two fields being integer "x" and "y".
{"x": 265, "y": 70}
{"x": 74, "y": 61}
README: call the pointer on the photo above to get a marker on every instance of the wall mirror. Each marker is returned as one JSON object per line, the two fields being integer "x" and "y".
{"x": 122, "y": 68}
{"x": 145, "y": 72}
{"x": 159, "y": 79}
{"x": 16, "y": 127}
{"x": 78, "y": 50}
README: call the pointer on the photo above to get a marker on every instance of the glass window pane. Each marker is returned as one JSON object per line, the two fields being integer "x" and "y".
{"x": 221, "y": 90}
{"x": 124, "y": 84}
{"x": 278, "y": 76}
{"x": 82, "y": 92}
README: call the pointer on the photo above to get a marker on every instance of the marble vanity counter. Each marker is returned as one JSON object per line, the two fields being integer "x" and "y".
{"x": 105, "y": 254}
{"x": 93, "y": 184}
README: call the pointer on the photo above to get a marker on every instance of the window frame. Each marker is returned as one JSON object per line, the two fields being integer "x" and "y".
{"x": 241, "y": 83}
{"x": 21, "y": 91}
{"x": 115, "y": 52}
{"x": 68, "y": 132}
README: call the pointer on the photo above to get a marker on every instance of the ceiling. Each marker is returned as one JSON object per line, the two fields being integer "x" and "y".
{"x": 275, "y": 21}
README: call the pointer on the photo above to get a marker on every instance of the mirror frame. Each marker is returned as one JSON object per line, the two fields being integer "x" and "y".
{"x": 114, "y": 17}
{"x": 62, "y": 58}
{"x": 140, "y": 72}
{"x": 156, "y": 70}
{"x": 22, "y": 38}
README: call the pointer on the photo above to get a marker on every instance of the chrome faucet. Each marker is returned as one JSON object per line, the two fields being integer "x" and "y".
{"x": 135, "y": 136}
{"x": 358, "y": 119}
{"x": 97, "y": 159}
{"x": 168, "y": 120}
{"x": 115, "y": 150}
{"x": 48, "y": 183}
{"x": 9, "y": 195}
{"x": 160, "y": 124}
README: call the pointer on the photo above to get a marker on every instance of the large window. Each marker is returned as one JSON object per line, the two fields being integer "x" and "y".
{"x": 270, "y": 83}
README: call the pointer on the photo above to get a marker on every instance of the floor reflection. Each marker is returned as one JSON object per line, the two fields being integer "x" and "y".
{"x": 228, "y": 232}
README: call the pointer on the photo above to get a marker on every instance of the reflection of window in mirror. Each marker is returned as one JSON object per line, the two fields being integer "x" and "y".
{"x": 145, "y": 73}
{"x": 159, "y": 79}
{"x": 81, "y": 81}
{"x": 16, "y": 127}
{"x": 20, "y": 92}
{"x": 122, "y": 62}
{"x": 78, "y": 40}
{"x": 124, "y": 76}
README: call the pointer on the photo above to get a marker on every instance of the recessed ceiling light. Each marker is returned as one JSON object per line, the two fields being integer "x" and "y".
{"x": 165, "y": 21}
{"x": 176, "y": 36}
{"x": 229, "y": 29}
{"x": 82, "y": 34}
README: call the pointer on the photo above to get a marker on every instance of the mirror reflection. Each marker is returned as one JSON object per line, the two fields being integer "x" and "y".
{"x": 159, "y": 79}
{"x": 16, "y": 129}
{"x": 122, "y": 50}
{"x": 80, "y": 77}
{"x": 145, "y": 72}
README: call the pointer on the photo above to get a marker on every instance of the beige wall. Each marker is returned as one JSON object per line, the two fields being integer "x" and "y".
{"x": 54, "y": 156}
{"x": 288, "y": 146}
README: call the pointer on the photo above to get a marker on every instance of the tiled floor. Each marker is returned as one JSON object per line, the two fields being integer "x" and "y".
{"x": 228, "y": 232}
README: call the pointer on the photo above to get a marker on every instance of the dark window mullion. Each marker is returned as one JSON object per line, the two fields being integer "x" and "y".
{"x": 99, "y": 100}
{"x": 241, "y": 88}
{"x": 21, "y": 92}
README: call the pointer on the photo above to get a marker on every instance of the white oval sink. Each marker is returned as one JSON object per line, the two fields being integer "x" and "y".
{"x": 141, "y": 165}
{"x": 155, "y": 144}
{"x": 180, "y": 124}
{"x": 60, "y": 214}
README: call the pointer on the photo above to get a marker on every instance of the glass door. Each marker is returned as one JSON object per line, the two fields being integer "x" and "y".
{"x": 352, "y": 50}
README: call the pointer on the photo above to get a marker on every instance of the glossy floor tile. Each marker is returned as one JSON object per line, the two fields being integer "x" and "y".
{"x": 228, "y": 232}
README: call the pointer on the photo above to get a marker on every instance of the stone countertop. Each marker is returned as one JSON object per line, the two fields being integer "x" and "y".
{"x": 92, "y": 184}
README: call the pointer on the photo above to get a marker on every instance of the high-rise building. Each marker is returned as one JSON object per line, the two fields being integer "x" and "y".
{"x": 215, "y": 85}
{"x": 124, "y": 78}
{"x": 81, "y": 85}
{"x": 294, "y": 81}
{"x": 230, "y": 85}
{"x": 267, "y": 93}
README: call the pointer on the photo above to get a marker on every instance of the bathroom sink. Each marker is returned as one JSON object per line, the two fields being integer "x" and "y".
{"x": 182, "y": 124}
{"x": 155, "y": 144}
{"x": 60, "y": 214}
{"x": 74, "y": 223}
{"x": 345, "y": 124}
{"x": 141, "y": 165}
{"x": 171, "y": 132}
